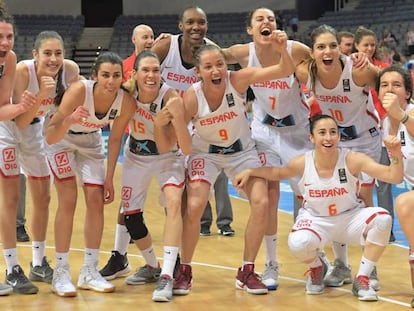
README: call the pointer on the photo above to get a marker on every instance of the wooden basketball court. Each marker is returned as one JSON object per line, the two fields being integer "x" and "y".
{"x": 214, "y": 270}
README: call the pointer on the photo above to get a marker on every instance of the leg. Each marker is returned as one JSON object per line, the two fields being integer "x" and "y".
{"x": 172, "y": 237}
{"x": 377, "y": 235}
{"x": 89, "y": 277}
{"x": 206, "y": 220}
{"x": 118, "y": 265}
{"x": 271, "y": 273}
{"x": 305, "y": 245}
{"x": 15, "y": 276}
{"x": 197, "y": 195}
{"x": 40, "y": 191}
{"x": 404, "y": 208}
{"x": 223, "y": 205}
{"x": 22, "y": 235}
{"x": 384, "y": 191}
{"x": 256, "y": 190}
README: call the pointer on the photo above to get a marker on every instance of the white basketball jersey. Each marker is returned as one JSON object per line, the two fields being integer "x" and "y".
{"x": 93, "y": 123}
{"x": 407, "y": 146}
{"x": 47, "y": 104}
{"x": 279, "y": 98}
{"x": 225, "y": 126}
{"x": 173, "y": 72}
{"x": 329, "y": 196}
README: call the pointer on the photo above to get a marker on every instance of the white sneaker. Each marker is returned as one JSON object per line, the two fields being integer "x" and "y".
{"x": 270, "y": 276}
{"x": 90, "y": 278}
{"x": 62, "y": 282}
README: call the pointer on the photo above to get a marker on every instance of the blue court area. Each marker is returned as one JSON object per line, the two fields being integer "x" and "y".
{"x": 286, "y": 204}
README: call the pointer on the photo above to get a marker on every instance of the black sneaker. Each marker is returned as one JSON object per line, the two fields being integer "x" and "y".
{"x": 117, "y": 266}
{"x": 226, "y": 230}
{"x": 20, "y": 282}
{"x": 22, "y": 235}
{"x": 43, "y": 273}
{"x": 205, "y": 230}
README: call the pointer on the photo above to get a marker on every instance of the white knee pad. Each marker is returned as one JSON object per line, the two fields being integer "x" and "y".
{"x": 379, "y": 230}
{"x": 304, "y": 245}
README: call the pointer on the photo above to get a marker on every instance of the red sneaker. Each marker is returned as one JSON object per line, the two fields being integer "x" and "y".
{"x": 249, "y": 281}
{"x": 183, "y": 280}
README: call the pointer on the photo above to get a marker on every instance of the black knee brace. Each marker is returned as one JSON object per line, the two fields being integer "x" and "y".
{"x": 136, "y": 226}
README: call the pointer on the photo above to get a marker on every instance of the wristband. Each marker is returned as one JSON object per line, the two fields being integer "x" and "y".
{"x": 405, "y": 118}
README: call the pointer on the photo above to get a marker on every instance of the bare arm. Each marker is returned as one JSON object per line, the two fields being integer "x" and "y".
{"x": 46, "y": 86}
{"x": 237, "y": 54}
{"x": 114, "y": 143}
{"x": 243, "y": 78}
{"x": 69, "y": 112}
{"x": 295, "y": 167}
{"x": 8, "y": 111}
{"x": 359, "y": 162}
{"x": 162, "y": 47}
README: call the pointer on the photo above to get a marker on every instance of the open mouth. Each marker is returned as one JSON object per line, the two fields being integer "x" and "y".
{"x": 3, "y": 53}
{"x": 216, "y": 81}
{"x": 327, "y": 61}
{"x": 266, "y": 32}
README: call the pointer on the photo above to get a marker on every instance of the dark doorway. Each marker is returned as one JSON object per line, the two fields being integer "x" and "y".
{"x": 101, "y": 13}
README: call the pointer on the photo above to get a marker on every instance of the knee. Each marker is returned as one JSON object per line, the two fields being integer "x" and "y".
{"x": 303, "y": 245}
{"x": 403, "y": 206}
{"x": 136, "y": 226}
{"x": 383, "y": 222}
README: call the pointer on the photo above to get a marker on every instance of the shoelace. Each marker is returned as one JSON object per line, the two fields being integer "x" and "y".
{"x": 363, "y": 282}
{"x": 315, "y": 274}
{"x": 163, "y": 282}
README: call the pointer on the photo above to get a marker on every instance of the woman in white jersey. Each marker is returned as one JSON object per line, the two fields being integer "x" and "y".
{"x": 150, "y": 152}
{"x": 176, "y": 53}
{"x": 342, "y": 91}
{"x": 395, "y": 90}
{"x": 44, "y": 76}
{"x": 280, "y": 123}
{"x": 332, "y": 209}
{"x": 222, "y": 140}
{"x": 74, "y": 147}
{"x": 9, "y": 203}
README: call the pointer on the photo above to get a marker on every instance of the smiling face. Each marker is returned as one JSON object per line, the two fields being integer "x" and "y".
{"x": 6, "y": 39}
{"x": 262, "y": 23}
{"x": 367, "y": 44}
{"x": 148, "y": 74}
{"x": 193, "y": 25}
{"x": 325, "y": 135}
{"x": 49, "y": 57}
{"x": 211, "y": 67}
{"x": 109, "y": 77}
{"x": 325, "y": 52}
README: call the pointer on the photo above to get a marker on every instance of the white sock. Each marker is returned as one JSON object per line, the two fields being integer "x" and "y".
{"x": 122, "y": 238}
{"x": 366, "y": 266}
{"x": 38, "y": 252}
{"x": 10, "y": 256}
{"x": 91, "y": 256}
{"x": 62, "y": 259}
{"x": 149, "y": 257}
{"x": 270, "y": 243}
{"x": 170, "y": 256}
{"x": 340, "y": 251}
